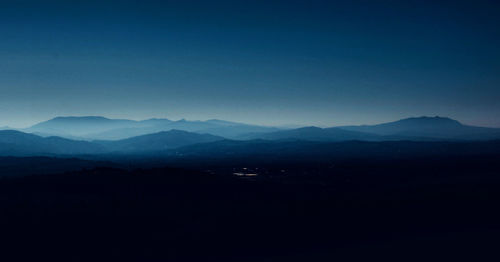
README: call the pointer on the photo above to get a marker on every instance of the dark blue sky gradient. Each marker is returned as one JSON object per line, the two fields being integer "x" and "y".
{"x": 266, "y": 62}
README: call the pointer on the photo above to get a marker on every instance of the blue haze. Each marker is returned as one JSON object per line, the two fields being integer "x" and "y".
{"x": 325, "y": 63}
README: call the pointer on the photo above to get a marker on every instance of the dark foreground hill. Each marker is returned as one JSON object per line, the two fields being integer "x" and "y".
{"x": 407, "y": 209}
{"x": 310, "y": 151}
{"x": 25, "y": 166}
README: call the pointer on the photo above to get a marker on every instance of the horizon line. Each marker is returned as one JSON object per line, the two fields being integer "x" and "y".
{"x": 290, "y": 125}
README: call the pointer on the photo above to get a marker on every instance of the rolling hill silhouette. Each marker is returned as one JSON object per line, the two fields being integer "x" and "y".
{"x": 430, "y": 127}
{"x": 158, "y": 141}
{"x": 316, "y": 134}
{"x": 415, "y": 129}
{"x": 15, "y": 143}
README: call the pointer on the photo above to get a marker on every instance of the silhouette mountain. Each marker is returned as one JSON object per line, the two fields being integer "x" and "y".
{"x": 218, "y": 127}
{"x": 101, "y": 128}
{"x": 158, "y": 141}
{"x": 15, "y": 143}
{"x": 417, "y": 129}
{"x": 430, "y": 127}
{"x": 316, "y": 134}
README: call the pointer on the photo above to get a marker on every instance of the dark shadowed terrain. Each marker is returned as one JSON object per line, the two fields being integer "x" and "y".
{"x": 407, "y": 206}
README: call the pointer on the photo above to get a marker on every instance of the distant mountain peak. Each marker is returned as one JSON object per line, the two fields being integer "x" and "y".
{"x": 157, "y": 119}
{"x": 219, "y": 121}
{"x": 224, "y": 122}
{"x": 172, "y": 131}
{"x": 62, "y": 118}
{"x": 436, "y": 127}
{"x": 309, "y": 128}
{"x": 430, "y": 120}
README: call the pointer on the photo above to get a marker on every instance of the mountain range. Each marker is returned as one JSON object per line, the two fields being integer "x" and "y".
{"x": 101, "y": 128}
{"x": 415, "y": 129}
{"x": 428, "y": 127}
{"x": 99, "y": 135}
{"x": 313, "y": 133}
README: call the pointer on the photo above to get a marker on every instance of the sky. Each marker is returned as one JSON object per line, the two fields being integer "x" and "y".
{"x": 324, "y": 63}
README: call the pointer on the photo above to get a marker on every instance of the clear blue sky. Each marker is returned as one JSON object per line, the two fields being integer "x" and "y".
{"x": 266, "y": 62}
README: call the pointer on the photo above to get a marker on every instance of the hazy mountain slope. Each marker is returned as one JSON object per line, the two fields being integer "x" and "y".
{"x": 100, "y": 128}
{"x": 435, "y": 127}
{"x": 420, "y": 128}
{"x": 15, "y": 143}
{"x": 124, "y": 133}
{"x": 315, "y": 134}
{"x": 158, "y": 141}
{"x": 219, "y": 127}
{"x": 236, "y": 131}
{"x": 78, "y": 126}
